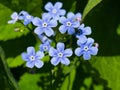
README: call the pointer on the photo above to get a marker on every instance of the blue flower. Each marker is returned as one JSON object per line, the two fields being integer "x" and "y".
{"x": 45, "y": 46}
{"x": 26, "y": 17}
{"x": 32, "y": 58}
{"x": 60, "y": 55}
{"x": 86, "y": 49}
{"x": 55, "y": 11}
{"x": 69, "y": 24}
{"x": 45, "y": 25}
{"x": 15, "y": 17}
{"x": 82, "y": 32}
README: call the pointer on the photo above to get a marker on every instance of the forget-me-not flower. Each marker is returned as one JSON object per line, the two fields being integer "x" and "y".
{"x": 82, "y": 32}
{"x": 27, "y": 18}
{"x": 86, "y": 49}
{"x": 44, "y": 25}
{"x": 32, "y": 58}
{"x": 60, "y": 54}
{"x": 15, "y": 17}
{"x": 55, "y": 10}
{"x": 69, "y": 24}
{"x": 45, "y": 46}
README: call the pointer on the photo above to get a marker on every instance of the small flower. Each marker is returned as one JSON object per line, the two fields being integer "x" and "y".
{"x": 60, "y": 55}
{"x": 69, "y": 24}
{"x": 45, "y": 25}
{"x": 26, "y": 17}
{"x": 86, "y": 49}
{"x": 55, "y": 11}
{"x": 15, "y": 17}
{"x": 45, "y": 46}
{"x": 32, "y": 58}
{"x": 82, "y": 32}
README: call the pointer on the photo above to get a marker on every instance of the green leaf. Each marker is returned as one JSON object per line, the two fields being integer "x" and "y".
{"x": 29, "y": 82}
{"x": 109, "y": 69}
{"x": 15, "y": 62}
{"x": 90, "y": 5}
{"x": 7, "y": 82}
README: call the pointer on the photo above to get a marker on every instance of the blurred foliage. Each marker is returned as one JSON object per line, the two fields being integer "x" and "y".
{"x": 100, "y": 73}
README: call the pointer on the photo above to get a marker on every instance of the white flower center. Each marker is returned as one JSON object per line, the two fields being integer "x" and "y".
{"x": 60, "y": 55}
{"x": 44, "y": 24}
{"x": 86, "y": 48}
{"x": 54, "y": 11}
{"x": 45, "y": 48}
{"x": 28, "y": 17}
{"x": 32, "y": 58}
{"x": 68, "y": 23}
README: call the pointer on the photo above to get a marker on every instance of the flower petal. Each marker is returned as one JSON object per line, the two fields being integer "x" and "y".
{"x": 53, "y": 23}
{"x": 87, "y": 31}
{"x": 82, "y": 39}
{"x": 37, "y": 21}
{"x": 62, "y": 12}
{"x": 14, "y": 15}
{"x": 58, "y": 5}
{"x": 39, "y": 55}
{"x": 86, "y": 56}
{"x": 49, "y": 32}
{"x": 52, "y": 52}
{"x": 76, "y": 24}
{"x": 55, "y": 61}
{"x": 62, "y": 20}
{"x": 49, "y": 6}
{"x": 39, "y": 63}
{"x": 38, "y": 30}
{"x": 30, "y": 64}
{"x": 71, "y": 30}
{"x": 78, "y": 51}
{"x": 60, "y": 46}
{"x": 30, "y": 51}
{"x": 93, "y": 50}
{"x": 65, "y": 61}
{"x": 70, "y": 15}
{"x": 68, "y": 52}
{"x": 25, "y": 56}
{"x": 62, "y": 29}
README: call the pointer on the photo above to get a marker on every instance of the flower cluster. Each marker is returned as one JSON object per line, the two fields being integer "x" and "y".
{"x": 53, "y": 23}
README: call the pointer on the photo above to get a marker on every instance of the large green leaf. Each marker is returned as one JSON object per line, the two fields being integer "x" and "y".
{"x": 90, "y": 5}
{"x": 109, "y": 69}
{"x": 7, "y": 82}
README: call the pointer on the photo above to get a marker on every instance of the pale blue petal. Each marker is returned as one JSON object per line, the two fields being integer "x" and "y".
{"x": 49, "y": 32}
{"x": 11, "y": 21}
{"x": 52, "y": 52}
{"x": 68, "y": 53}
{"x": 76, "y": 24}
{"x": 70, "y": 15}
{"x": 25, "y": 57}
{"x": 46, "y": 17}
{"x": 39, "y": 55}
{"x": 86, "y": 56}
{"x": 62, "y": 20}
{"x": 58, "y": 5}
{"x": 53, "y": 23}
{"x": 49, "y": 6}
{"x": 55, "y": 61}
{"x": 30, "y": 51}
{"x": 71, "y": 30}
{"x": 87, "y": 31}
{"x": 14, "y": 15}
{"x": 93, "y": 50}
{"x": 60, "y": 46}
{"x": 38, "y": 30}
{"x": 78, "y": 51}
{"x": 37, "y": 21}
{"x": 62, "y": 29}
{"x": 30, "y": 64}
{"x": 65, "y": 61}
{"x": 39, "y": 63}
{"x": 90, "y": 41}
{"x": 62, "y": 12}
{"x": 81, "y": 39}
